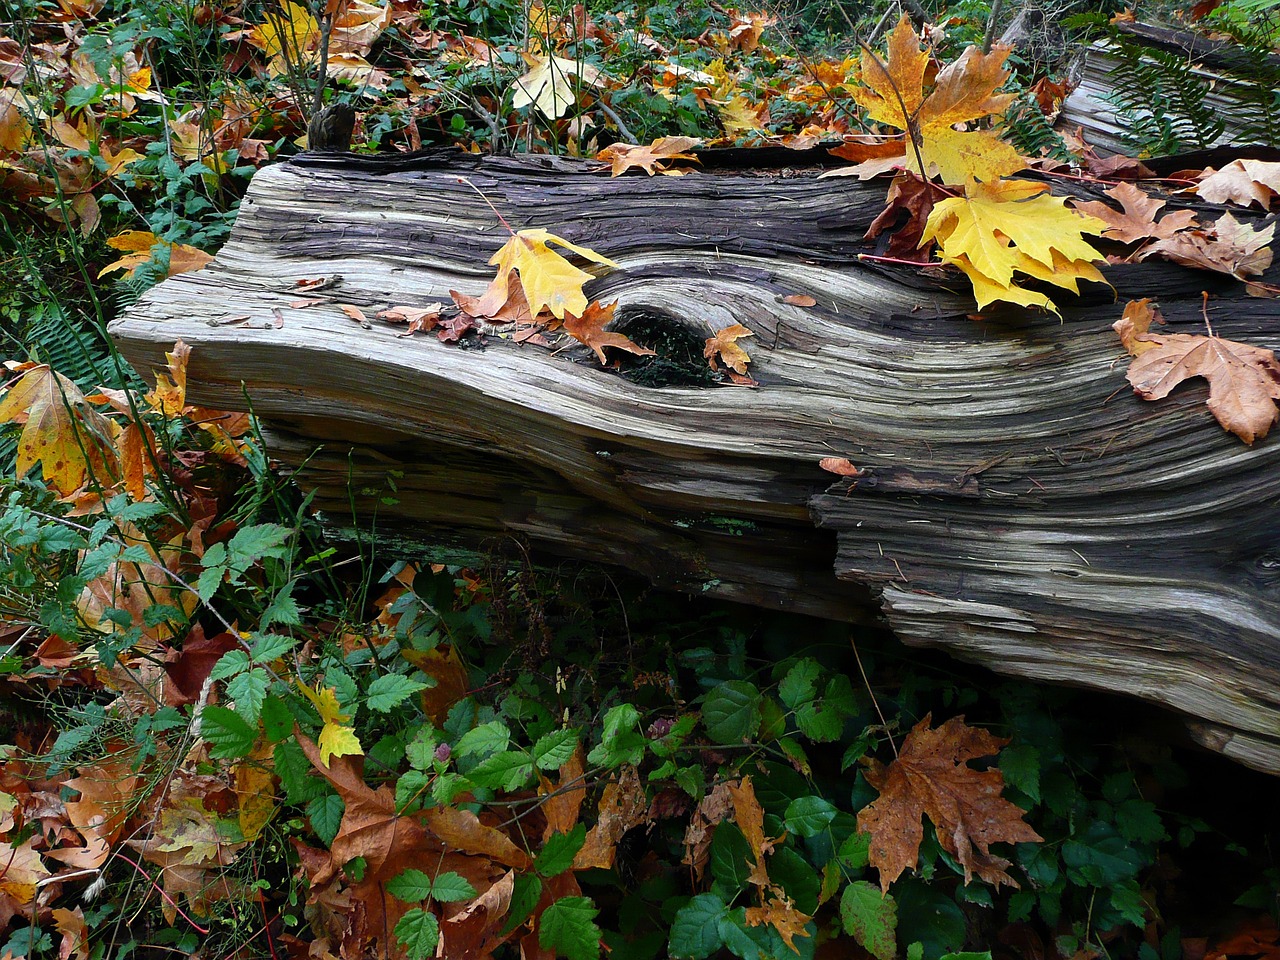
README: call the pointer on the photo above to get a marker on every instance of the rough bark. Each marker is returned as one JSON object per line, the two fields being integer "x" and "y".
{"x": 1021, "y": 507}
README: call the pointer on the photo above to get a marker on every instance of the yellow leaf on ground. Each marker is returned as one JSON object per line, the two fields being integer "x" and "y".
{"x": 287, "y": 37}
{"x": 725, "y": 346}
{"x": 140, "y": 244}
{"x": 652, "y": 158}
{"x": 550, "y": 86}
{"x": 66, "y": 436}
{"x": 550, "y": 281}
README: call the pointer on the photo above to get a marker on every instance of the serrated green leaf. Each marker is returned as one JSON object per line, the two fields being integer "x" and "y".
{"x": 390, "y": 690}
{"x": 294, "y": 770}
{"x": 418, "y": 932}
{"x": 553, "y": 751}
{"x": 558, "y": 852}
{"x": 819, "y": 721}
{"x": 1020, "y": 765}
{"x": 525, "y": 895}
{"x": 1139, "y": 821}
{"x": 695, "y": 931}
{"x": 325, "y": 814}
{"x": 277, "y": 721}
{"x": 800, "y": 684}
{"x": 411, "y": 786}
{"x": 620, "y": 742}
{"x": 282, "y": 609}
{"x": 270, "y": 646}
{"x": 249, "y": 690}
{"x": 871, "y": 918}
{"x": 509, "y": 770}
{"x": 229, "y": 736}
{"x": 411, "y": 886}
{"x": 809, "y": 816}
{"x": 568, "y": 927}
{"x": 450, "y": 887}
{"x": 731, "y": 712}
{"x": 855, "y": 851}
{"x": 229, "y": 664}
{"x": 485, "y": 739}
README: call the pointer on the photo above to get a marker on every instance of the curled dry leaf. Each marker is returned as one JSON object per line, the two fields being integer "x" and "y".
{"x": 1243, "y": 182}
{"x": 1137, "y": 220}
{"x": 654, "y": 158}
{"x": 725, "y": 346}
{"x": 1244, "y": 381}
{"x": 589, "y": 329}
{"x": 1229, "y": 247}
{"x": 839, "y": 466}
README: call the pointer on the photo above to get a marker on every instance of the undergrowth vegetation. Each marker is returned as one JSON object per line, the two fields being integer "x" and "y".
{"x": 225, "y": 737}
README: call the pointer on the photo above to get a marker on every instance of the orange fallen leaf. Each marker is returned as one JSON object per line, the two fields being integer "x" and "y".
{"x": 589, "y": 329}
{"x": 931, "y": 778}
{"x": 800, "y": 300}
{"x": 1137, "y": 221}
{"x": 142, "y": 243}
{"x": 725, "y": 346}
{"x": 839, "y": 466}
{"x": 1244, "y": 380}
{"x": 654, "y": 158}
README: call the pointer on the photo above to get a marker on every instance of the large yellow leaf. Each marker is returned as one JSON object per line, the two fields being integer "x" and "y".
{"x": 1012, "y": 226}
{"x": 67, "y": 437}
{"x": 964, "y": 91}
{"x": 550, "y": 281}
{"x": 549, "y": 87}
{"x": 287, "y": 38}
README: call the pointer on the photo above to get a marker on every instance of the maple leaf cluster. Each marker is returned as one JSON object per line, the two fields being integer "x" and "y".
{"x": 994, "y": 229}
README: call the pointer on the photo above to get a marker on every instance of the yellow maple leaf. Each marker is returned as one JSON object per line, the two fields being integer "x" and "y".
{"x": 964, "y": 91}
{"x": 336, "y": 739}
{"x": 996, "y": 230}
{"x": 549, "y": 86}
{"x": 550, "y": 281}
{"x": 139, "y": 245}
{"x": 66, "y": 436}
{"x": 287, "y": 37}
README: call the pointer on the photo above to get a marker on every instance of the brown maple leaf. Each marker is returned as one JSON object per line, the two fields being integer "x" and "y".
{"x": 931, "y": 778}
{"x": 1243, "y": 182}
{"x": 653, "y": 158}
{"x": 589, "y": 329}
{"x": 1229, "y": 247}
{"x": 911, "y": 195}
{"x": 1137, "y": 221}
{"x": 712, "y": 809}
{"x": 870, "y": 159}
{"x": 781, "y": 914}
{"x": 725, "y": 346}
{"x": 1244, "y": 381}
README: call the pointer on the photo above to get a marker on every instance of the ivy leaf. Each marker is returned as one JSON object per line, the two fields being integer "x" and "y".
{"x": 418, "y": 932}
{"x": 931, "y": 778}
{"x": 390, "y": 690}
{"x": 558, "y": 852}
{"x": 870, "y": 916}
{"x": 809, "y": 816}
{"x": 325, "y": 813}
{"x": 731, "y": 712}
{"x": 568, "y": 927}
{"x": 695, "y": 932}
{"x": 553, "y": 750}
{"x": 229, "y": 736}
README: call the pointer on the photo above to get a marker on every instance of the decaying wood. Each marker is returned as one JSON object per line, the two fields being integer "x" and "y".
{"x": 1020, "y": 507}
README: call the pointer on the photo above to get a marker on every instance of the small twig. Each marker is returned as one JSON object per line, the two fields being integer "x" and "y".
{"x": 874, "y": 702}
{"x": 623, "y": 132}
{"x": 500, "y": 217}
{"x": 991, "y": 26}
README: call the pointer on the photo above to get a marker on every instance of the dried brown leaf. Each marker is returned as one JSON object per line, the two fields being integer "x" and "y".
{"x": 1137, "y": 220}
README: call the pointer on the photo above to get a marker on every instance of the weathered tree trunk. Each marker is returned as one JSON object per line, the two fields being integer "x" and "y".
{"x": 1021, "y": 507}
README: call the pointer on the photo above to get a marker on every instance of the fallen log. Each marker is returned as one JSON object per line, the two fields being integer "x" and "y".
{"x": 1019, "y": 506}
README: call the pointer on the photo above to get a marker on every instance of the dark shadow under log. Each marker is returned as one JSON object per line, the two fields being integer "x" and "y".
{"x": 1021, "y": 507}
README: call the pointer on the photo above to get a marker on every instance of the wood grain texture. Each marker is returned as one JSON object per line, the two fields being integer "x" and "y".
{"x": 1021, "y": 507}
